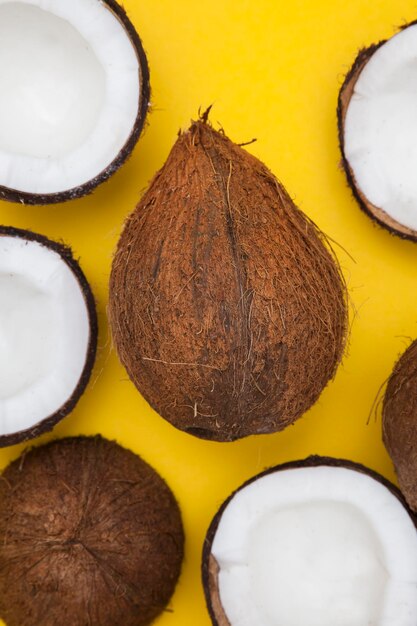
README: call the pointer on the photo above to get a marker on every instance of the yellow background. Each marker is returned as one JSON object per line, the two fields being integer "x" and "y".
{"x": 273, "y": 69}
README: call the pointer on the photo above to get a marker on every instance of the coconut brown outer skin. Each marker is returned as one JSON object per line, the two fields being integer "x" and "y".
{"x": 375, "y": 213}
{"x": 210, "y": 568}
{"x": 22, "y": 197}
{"x": 399, "y": 422}
{"x": 226, "y": 308}
{"x": 89, "y": 535}
{"x": 50, "y": 421}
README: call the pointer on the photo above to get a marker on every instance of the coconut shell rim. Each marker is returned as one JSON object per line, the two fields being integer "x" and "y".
{"x": 378, "y": 215}
{"x": 310, "y": 461}
{"x": 50, "y": 421}
{"x": 27, "y": 198}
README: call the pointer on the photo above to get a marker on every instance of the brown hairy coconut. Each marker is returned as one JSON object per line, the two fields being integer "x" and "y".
{"x": 227, "y": 309}
{"x": 400, "y": 422}
{"x": 89, "y": 534}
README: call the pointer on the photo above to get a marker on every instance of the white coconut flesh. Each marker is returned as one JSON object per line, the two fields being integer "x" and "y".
{"x": 44, "y": 333}
{"x": 380, "y": 129}
{"x": 317, "y": 546}
{"x": 70, "y": 91}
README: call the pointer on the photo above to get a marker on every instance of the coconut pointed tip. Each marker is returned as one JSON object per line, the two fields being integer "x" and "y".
{"x": 202, "y": 121}
{"x": 204, "y": 117}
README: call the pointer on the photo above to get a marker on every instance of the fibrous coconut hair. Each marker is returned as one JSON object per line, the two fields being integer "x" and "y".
{"x": 227, "y": 308}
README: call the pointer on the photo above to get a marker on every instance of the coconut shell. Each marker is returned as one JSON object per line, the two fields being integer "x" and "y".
{"x": 400, "y": 422}
{"x": 50, "y": 421}
{"x": 374, "y": 212}
{"x": 22, "y": 197}
{"x": 89, "y": 535}
{"x": 210, "y": 567}
{"x": 227, "y": 308}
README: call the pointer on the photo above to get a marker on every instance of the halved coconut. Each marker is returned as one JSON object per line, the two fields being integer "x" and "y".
{"x": 399, "y": 422}
{"x": 48, "y": 334}
{"x": 90, "y": 535}
{"x": 75, "y": 92}
{"x": 319, "y": 542}
{"x": 378, "y": 131}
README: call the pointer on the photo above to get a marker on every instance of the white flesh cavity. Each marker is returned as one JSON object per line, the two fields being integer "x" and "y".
{"x": 70, "y": 92}
{"x": 380, "y": 133}
{"x": 320, "y": 546}
{"x": 44, "y": 333}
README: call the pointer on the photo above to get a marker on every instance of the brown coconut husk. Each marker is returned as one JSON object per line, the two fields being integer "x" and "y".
{"x": 400, "y": 422}
{"x": 89, "y": 535}
{"x": 227, "y": 308}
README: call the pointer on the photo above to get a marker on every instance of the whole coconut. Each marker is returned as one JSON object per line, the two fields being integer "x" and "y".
{"x": 227, "y": 309}
{"x": 400, "y": 422}
{"x": 90, "y": 535}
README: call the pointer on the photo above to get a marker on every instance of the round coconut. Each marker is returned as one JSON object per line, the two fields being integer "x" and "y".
{"x": 226, "y": 306}
{"x": 89, "y": 534}
{"x": 85, "y": 66}
{"x": 400, "y": 422}
{"x": 377, "y": 141}
{"x": 312, "y": 542}
{"x": 48, "y": 331}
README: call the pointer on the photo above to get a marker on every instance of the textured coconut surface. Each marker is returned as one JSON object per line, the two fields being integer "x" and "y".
{"x": 399, "y": 422}
{"x": 274, "y": 71}
{"x": 244, "y": 305}
{"x": 97, "y": 536}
